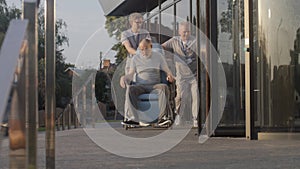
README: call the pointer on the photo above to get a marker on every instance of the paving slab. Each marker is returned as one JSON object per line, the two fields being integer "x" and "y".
{"x": 75, "y": 150}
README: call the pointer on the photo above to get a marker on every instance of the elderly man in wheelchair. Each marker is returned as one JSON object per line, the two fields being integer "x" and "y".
{"x": 146, "y": 68}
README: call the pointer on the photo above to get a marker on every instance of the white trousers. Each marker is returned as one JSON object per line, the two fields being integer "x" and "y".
{"x": 187, "y": 91}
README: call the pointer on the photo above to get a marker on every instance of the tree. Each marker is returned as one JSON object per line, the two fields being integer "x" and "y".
{"x": 6, "y": 14}
{"x": 227, "y": 16}
{"x": 115, "y": 26}
{"x": 100, "y": 86}
{"x": 63, "y": 80}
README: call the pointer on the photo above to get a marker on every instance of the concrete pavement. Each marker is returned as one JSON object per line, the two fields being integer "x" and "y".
{"x": 75, "y": 150}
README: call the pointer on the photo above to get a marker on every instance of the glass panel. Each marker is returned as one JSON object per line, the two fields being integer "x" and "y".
{"x": 167, "y": 24}
{"x": 194, "y": 16}
{"x": 182, "y": 11}
{"x": 166, "y": 28}
{"x": 203, "y": 15}
{"x": 154, "y": 24}
{"x": 256, "y": 67}
{"x": 277, "y": 52}
{"x": 231, "y": 50}
{"x": 202, "y": 68}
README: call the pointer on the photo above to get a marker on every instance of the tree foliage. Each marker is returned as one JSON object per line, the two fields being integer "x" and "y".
{"x": 227, "y": 16}
{"x": 115, "y": 26}
{"x": 121, "y": 52}
{"x": 6, "y": 15}
{"x": 101, "y": 88}
{"x": 63, "y": 81}
{"x": 61, "y": 39}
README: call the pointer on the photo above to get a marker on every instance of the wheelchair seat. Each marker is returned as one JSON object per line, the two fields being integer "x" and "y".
{"x": 148, "y": 108}
{"x": 148, "y": 104}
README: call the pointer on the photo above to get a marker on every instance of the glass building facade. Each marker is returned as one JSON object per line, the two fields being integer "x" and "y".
{"x": 276, "y": 40}
{"x": 274, "y": 47}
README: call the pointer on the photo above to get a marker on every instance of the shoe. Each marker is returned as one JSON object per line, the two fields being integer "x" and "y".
{"x": 144, "y": 124}
{"x": 4, "y": 129}
{"x": 164, "y": 122}
{"x": 129, "y": 122}
{"x": 195, "y": 123}
{"x": 177, "y": 120}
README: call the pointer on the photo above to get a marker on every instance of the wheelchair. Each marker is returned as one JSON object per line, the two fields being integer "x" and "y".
{"x": 148, "y": 108}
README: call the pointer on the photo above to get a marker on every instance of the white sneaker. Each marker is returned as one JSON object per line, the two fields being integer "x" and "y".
{"x": 142, "y": 124}
{"x": 177, "y": 120}
{"x": 195, "y": 123}
{"x": 164, "y": 122}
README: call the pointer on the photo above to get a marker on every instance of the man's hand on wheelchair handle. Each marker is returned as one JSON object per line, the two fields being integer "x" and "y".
{"x": 122, "y": 82}
{"x": 125, "y": 80}
{"x": 170, "y": 78}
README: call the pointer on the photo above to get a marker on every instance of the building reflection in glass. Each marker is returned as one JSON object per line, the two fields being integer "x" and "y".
{"x": 277, "y": 51}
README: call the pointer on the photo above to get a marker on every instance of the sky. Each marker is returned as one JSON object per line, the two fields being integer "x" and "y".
{"x": 87, "y": 36}
{"x": 85, "y": 29}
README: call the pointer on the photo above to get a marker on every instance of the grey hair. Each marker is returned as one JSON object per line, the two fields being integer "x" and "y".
{"x": 184, "y": 23}
{"x": 134, "y": 16}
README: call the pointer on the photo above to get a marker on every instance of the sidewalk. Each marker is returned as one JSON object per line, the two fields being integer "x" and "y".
{"x": 75, "y": 150}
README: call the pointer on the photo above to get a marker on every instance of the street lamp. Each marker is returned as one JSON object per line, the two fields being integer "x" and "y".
{"x": 100, "y": 57}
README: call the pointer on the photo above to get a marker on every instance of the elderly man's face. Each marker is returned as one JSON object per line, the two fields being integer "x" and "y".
{"x": 146, "y": 49}
{"x": 184, "y": 32}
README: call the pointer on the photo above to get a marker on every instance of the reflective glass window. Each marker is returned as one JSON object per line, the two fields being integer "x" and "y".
{"x": 277, "y": 50}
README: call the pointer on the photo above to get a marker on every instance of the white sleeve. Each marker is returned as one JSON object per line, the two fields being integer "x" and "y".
{"x": 124, "y": 37}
